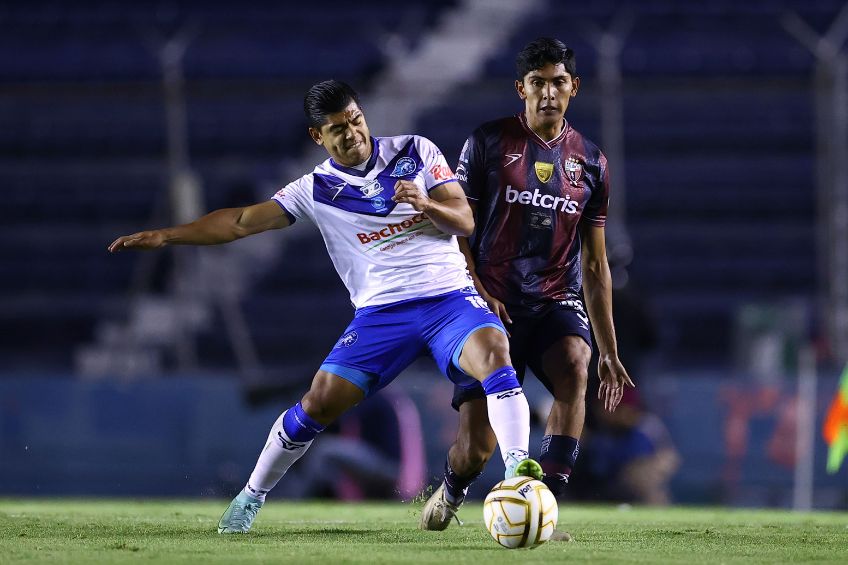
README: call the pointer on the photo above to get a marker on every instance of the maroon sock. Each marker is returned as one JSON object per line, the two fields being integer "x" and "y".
{"x": 557, "y": 459}
{"x": 456, "y": 487}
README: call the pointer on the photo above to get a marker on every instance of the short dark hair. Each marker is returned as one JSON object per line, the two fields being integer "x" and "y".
{"x": 325, "y": 98}
{"x": 542, "y": 51}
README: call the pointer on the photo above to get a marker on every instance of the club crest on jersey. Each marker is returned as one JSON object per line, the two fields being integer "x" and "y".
{"x": 404, "y": 166}
{"x": 371, "y": 189}
{"x": 544, "y": 170}
{"x": 378, "y": 203}
{"x": 573, "y": 170}
{"x": 347, "y": 339}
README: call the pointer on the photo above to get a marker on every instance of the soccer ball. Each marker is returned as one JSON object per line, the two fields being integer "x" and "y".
{"x": 520, "y": 512}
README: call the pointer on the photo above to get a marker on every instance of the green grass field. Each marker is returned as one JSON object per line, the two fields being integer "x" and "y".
{"x": 125, "y": 531}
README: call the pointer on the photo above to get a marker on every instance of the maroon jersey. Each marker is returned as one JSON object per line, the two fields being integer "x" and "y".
{"x": 531, "y": 196}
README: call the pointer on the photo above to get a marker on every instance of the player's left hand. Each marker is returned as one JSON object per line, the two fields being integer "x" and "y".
{"x": 408, "y": 192}
{"x": 613, "y": 377}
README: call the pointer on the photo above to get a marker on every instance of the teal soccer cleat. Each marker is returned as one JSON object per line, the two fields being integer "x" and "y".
{"x": 240, "y": 514}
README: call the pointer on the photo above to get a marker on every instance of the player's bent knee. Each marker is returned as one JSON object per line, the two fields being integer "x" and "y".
{"x": 314, "y": 405}
{"x": 485, "y": 351}
{"x": 579, "y": 372}
{"x": 329, "y": 397}
{"x": 499, "y": 353}
{"x": 571, "y": 381}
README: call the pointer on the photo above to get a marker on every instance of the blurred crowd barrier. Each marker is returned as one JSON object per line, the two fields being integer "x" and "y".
{"x": 733, "y": 440}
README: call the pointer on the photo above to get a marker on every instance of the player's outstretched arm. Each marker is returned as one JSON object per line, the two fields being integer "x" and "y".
{"x": 597, "y": 287}
{"x": 220, "y": 226}
{"x": 445, "y": 206}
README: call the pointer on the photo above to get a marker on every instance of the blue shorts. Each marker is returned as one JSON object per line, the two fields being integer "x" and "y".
{"x": 382, "y": 341}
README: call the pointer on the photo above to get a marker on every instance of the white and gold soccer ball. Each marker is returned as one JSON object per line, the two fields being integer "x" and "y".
{"x": 520, "y": 512}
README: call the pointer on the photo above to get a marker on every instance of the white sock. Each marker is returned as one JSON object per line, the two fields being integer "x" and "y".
{"x": 509, "y": 416}
{"x": 279, "y": 454}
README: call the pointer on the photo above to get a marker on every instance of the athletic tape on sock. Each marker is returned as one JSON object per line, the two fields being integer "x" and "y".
{"x": 500, "y": 380}
{"x": 299, "y": 426}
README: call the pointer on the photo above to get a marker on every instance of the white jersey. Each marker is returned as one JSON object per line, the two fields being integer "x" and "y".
{"x": 384, "y": 251}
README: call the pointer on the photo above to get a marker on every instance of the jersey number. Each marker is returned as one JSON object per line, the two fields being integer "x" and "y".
{"x": 477, "y": 302}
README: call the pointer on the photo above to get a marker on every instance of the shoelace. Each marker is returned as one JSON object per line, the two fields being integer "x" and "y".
{"x": 449, "y": 510}
{"x": 243, "y": 516}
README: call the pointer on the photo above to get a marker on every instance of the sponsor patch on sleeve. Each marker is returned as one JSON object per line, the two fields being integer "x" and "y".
{"x": 441, "y": 172}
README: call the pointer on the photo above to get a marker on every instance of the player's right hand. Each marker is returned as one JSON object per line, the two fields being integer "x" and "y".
{"x": 497, "y": 307}
{"x": 142, "y": 240}
{"x": 613, "y": 378}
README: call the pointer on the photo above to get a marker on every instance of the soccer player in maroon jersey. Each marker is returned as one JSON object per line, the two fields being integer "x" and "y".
{"x": 539, "y": 191}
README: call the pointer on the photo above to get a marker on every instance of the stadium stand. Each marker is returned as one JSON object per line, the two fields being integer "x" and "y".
{"x": 83, "y": 148}
{"x": 718, "y": 146}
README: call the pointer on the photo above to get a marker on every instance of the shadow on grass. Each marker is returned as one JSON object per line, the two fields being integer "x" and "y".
{"x": 328, "y": 534}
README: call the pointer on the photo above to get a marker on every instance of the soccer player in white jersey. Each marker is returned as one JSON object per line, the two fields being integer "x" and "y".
{"x": 389, "y": 210}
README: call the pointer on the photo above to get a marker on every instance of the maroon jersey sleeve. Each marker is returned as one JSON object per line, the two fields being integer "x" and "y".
{"x": 470, "y": 170}
{"x": 595, "y": 212}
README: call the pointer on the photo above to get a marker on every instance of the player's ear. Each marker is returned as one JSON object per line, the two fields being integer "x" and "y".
{"x": 519, "y": 86}
{"x": 575, "y": 84}
{"x": 315, "y": 134}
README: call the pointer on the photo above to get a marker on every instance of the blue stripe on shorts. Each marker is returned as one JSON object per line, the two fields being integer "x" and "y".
{"x": 361, "y": 379}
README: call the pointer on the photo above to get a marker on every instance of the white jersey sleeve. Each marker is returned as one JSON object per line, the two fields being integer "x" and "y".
{"x": 296, "y": 199}
{"x": 436, "y": 170}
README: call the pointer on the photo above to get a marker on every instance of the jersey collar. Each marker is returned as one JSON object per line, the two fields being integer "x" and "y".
{"x": 372, "y": 160}
{"x": 535, "y": 136}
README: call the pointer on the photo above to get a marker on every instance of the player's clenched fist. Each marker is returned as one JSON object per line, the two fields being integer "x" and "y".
{"x": 407, "y": 191}
{"x": 142, "y": 240}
